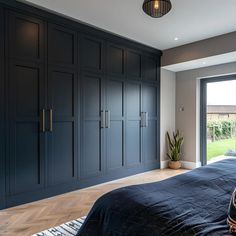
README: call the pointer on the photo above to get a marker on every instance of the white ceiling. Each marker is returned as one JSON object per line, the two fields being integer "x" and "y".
{"x": 203, "y": 62}
{"x": 189, "y": 20}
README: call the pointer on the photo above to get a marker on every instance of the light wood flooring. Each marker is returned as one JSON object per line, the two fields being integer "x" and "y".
{"x": 31, "y": 218}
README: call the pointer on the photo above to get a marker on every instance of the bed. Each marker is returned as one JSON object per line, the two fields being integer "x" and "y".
{"x": 194, "y": 203}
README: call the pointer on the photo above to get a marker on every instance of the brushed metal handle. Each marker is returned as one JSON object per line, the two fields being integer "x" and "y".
{"x": 43, "y": 120}
{"x": 50, "y": 120}
{"x": 142, "y": 119}
{"x": 103, "y": 120}
{"x": 146, "y": 119}
{"x": 108, "y": 119}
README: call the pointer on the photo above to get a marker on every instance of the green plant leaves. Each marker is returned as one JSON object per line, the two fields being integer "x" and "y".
{"x": 174, "y": 146}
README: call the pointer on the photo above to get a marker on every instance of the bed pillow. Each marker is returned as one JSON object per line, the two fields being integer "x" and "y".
{"x": 232, "y": 213}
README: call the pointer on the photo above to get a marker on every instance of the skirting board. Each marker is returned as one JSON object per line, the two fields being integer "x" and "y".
{"x": 185, "y": 164}
{"x": 164, "y": 164}
{"x": 191, "y": 165}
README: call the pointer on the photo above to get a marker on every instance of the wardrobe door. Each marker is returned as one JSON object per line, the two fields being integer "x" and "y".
{"x": 62, "y": 117}
{"x": 26, "y": 120}
{"x": 150, "y": 122}
{"x": 115, "y": 124}
{"x": 2, "y": 114}
{"x": 92, "y": 126}
{"x": 26, "y": 101}
{"x": 62, "y": 113}
{"x": 133, "y": 128}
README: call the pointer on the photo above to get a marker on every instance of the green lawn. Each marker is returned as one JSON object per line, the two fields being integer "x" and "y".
{"x": 219, "y": 148}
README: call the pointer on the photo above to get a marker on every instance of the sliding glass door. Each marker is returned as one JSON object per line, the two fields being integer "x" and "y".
{"x": 218, "y": 119}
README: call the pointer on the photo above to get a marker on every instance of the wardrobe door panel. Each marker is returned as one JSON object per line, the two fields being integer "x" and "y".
{"x": 92, "y": 53}
{"x": 150, "y": 130}
{"x": 149, "y": 100}
{"x": 92, "y": 97}
{"x": 27, "y": 159}
{"x": 26, "y": 139}
{"x": 150, "y": 68}
{"x": 63, "y": 153}
{"x": 115, "y": 130}
{"x": 115, "y": 60}
{"x": 27, "y": 103}
{"x": 63, "y": 92}
{"x": 133, "y": 143}
{"x": 63, "y": 125}
{"x": 115, "y": 145}
{"x": 62, "y": 45}
{"x": 115, "y": 98}
{"x": 25, "y": 37}
{"x": 133, "y": 64}
{"x": 133, "y": 96}
{"x": 92, "y": 132}
{"x": 133, "y": 130}
{"x": 150, "y": 141}
{"x": 91, "y": 157}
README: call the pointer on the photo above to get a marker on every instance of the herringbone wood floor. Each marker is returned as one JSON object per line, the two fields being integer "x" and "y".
{"x": 31, "y": 218}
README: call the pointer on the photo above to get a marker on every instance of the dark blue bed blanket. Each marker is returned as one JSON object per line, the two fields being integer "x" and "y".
{"x": 194, "y": 203}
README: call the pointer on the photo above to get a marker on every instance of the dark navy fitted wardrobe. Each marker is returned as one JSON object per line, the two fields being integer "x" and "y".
{"x": 79, "y": 106}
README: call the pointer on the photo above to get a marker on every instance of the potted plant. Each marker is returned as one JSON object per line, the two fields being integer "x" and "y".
{"x": 174, "y": 150}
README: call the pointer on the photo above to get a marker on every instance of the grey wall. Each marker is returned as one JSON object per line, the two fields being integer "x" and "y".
{"x": 201, "y": 49}
{"x": 168, "y": 89}
{"x": 188, "y": 98}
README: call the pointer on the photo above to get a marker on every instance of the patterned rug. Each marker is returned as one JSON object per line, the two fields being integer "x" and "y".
{"x": 68, "y": 229}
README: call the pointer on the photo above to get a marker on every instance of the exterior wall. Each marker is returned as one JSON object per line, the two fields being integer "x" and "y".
{"x": 221, "y": 112}
{"x": 211, "y": 117}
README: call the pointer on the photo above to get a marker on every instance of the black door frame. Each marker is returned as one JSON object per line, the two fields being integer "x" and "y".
{"x": 203, "y": 111}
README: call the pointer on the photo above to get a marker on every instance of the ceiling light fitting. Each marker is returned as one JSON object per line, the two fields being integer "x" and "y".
{"x": 157, "y": 8}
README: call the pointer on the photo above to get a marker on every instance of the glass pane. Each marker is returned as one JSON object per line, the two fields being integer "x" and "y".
{"x": 221, "y": 120}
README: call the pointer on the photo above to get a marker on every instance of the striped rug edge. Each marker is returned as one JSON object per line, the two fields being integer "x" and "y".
{"x": 70, "y": 228}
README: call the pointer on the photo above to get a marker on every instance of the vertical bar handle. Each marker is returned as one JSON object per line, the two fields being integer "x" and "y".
{"x": 50, "y": 120}
{"x": 146, "y": 119}
{"x": 108, "y": 119}
{"x": 103, "y": 120}
{"x": 142, "y": 119}
{"x": 43, "y": 120}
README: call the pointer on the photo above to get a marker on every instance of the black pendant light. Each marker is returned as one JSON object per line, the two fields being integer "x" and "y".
{"x": 156, "y": 8}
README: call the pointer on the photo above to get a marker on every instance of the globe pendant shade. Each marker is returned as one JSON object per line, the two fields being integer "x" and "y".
{"x": 157, "y": 8}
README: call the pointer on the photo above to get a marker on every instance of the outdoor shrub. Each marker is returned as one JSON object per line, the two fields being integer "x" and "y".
{"x": 226, "y": 129}
{"x": 216, "y": 127}
{"x": 222, "y": 129}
